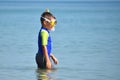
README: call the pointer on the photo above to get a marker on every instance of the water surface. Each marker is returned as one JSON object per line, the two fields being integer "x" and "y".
{"x": 86, "y": 41}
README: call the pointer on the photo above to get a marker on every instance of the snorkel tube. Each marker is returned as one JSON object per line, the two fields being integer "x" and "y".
{"x": 53, "y": 28}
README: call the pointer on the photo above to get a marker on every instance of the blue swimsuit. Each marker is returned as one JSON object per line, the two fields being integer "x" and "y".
{"x": 40, "y": 51}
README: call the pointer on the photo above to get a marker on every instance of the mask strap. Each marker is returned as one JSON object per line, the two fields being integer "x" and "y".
{"x": 46, "y": 19}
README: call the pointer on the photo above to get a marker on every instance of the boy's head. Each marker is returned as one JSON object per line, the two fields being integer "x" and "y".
{"x": 48, "y": 20}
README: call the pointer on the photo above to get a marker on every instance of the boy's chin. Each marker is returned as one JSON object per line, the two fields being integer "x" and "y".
{"x": 53, "y": 29}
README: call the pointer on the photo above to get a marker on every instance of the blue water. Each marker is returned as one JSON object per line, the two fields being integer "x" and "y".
{"x": 86, "y": 41}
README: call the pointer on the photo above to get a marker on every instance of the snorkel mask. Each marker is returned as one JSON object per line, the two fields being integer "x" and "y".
{"x": 52, "y": 22}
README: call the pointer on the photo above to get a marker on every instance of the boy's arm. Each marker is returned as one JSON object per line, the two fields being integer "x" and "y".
{"x": 44, "y": 35}
{"x": 54, "y": 58}
{"x": 48, "y": 63}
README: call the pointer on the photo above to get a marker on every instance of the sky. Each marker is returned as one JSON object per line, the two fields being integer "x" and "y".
{"x": 59, "y": 0}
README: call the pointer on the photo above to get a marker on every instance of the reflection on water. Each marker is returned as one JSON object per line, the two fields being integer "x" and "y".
{"x": 45, "y": 74}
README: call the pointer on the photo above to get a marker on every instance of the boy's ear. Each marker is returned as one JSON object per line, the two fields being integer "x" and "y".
{"x": 44, "y": 22}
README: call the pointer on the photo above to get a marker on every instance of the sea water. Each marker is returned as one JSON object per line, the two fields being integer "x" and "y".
{"x": 86, "y": 41}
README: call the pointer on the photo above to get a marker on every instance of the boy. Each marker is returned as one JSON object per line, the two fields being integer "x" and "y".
{"x": 44, "y": 54}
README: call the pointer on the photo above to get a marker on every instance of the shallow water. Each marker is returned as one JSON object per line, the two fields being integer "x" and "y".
{"x": 86, "y": 41}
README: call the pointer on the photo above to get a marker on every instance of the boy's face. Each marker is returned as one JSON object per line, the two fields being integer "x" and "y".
{"x": 49, "y": 23}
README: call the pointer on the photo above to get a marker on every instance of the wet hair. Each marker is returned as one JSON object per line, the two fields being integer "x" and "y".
{"x": 47, "y": 15}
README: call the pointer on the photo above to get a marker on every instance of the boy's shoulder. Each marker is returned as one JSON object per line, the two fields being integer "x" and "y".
{"x": 44, "y": 32}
